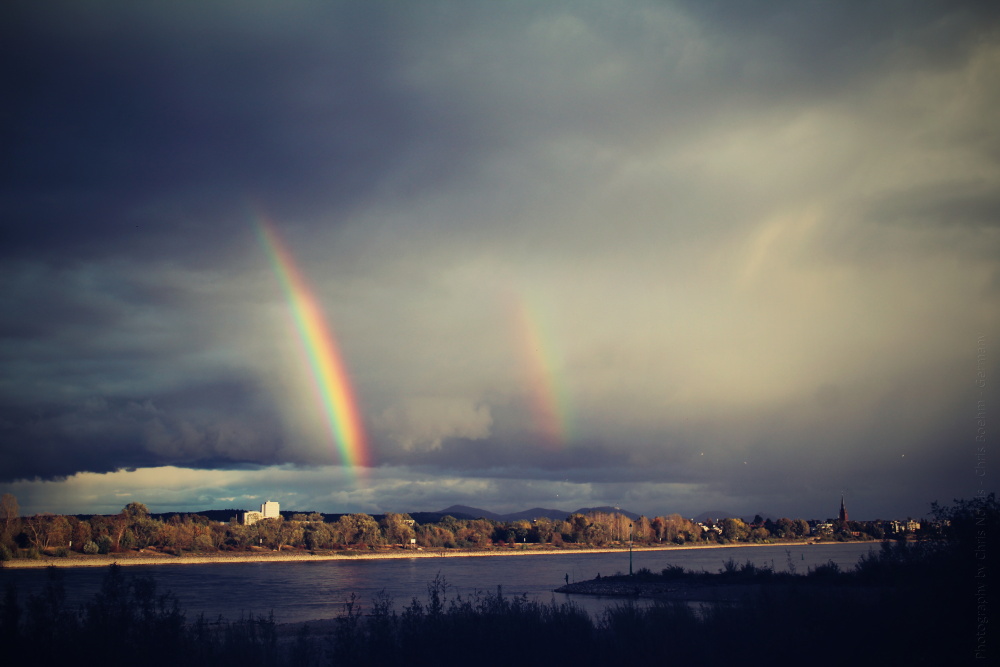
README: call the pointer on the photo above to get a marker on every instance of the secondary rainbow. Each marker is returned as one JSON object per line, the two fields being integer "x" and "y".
{"x": 331, "y": 381}
{"x": 549, "y": 402}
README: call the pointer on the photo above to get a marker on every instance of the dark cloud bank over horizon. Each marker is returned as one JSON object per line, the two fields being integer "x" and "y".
{"x": 658, "y": 255}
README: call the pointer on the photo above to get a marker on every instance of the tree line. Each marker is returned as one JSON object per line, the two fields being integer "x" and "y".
{"x": 922, "y": 602}
{"x": 135, "y": 529}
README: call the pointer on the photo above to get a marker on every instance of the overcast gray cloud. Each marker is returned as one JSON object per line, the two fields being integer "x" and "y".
{"x": 672, "y": 256}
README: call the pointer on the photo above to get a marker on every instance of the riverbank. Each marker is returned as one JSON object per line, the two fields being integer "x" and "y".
{"x": 733, "y": 584}
{"x": 148, "y": 557}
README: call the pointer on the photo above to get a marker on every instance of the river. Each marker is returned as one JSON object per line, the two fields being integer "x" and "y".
{"x": 306, "y": 591}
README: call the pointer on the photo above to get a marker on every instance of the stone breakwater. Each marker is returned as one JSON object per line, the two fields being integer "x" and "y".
{"x": 681, "y": 590}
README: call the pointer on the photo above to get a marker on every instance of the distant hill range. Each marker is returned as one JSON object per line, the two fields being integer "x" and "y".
{"x": 466, "y": 512}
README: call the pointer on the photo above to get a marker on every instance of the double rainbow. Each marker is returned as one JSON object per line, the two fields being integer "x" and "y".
{"x": 331, "y": 381}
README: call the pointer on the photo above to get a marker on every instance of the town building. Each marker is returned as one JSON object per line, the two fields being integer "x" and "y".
{"x": 822, "y": 529}
{"x": 269, "y": 510}
{"x": 250, "y": 518}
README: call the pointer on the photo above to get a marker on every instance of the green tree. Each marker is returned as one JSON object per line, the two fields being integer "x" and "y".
{"x": 9, "y": 513}
{"x": 203, "y": 542}
{"x": 359, "y": 529}
{"x": 9, "y": 510}
{"x": 598, "y": 534}
{"x": 476, "y": 532}
{"x": 578, "y": 524}
{"x": 80, "y": 532}
{"x": 735, "y": 530}
{"x": 542, "y": 530}
{"x": 785, "y": 528}
{"x": 291, "y": 533}
{"x": 561, "y": 530}
{"x": 310, "y": 538}
{"x": 219, "y": 533}
{"x": 133, "y": 528}
{"x": 128, "y": 540}
{"x": 268, "y": 532}
{"x": 147, "y": 532}
{"x": 47, "y": 530}
{"x": 643, "y": 530}
{"x": 135, "y": 511}
{"x": 972, "y": 526}
{"x": 521, "y": 529}
{"x": 875, "y": 530}
{"x": 397, "y": 528}
{"x": 104, "y": 544}
{"x": 434, "y": 535}
{"x": 238, "y": 536}
{"x": 659, "y": 527}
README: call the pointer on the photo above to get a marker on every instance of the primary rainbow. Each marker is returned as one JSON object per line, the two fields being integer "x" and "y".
{"x": 549, "y": 401}
{"x": 332, "y": 384}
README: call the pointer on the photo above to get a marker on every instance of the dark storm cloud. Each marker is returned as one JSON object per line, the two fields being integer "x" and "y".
{"x": 823, "y": 46}
{"x": 140, "y": 129}
{"x": 210, "y": 426}
{"x": 957, "y": 203}
{"x": 140, "y": 134}
{"x": 757, "y": 240}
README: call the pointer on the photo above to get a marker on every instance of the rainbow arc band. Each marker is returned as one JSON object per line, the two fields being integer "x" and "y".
{"x": 332, "y": 383}
{"x": 550, "y": 404}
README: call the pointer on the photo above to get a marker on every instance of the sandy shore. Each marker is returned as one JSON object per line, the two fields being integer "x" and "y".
{"x": 154, "y": 558}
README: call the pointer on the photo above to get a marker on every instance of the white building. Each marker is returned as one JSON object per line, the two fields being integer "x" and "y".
{"x": 250, "y": 518}
{"x": 269, "y": 510}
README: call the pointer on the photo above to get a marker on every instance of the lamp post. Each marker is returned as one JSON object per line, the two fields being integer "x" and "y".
{"x": 630, "y": 550}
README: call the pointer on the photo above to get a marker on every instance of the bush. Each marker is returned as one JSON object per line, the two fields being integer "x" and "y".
{"x": 203, "y": 543}
{"x": 828, "y": 570}
{"x": 104, "y": 544}
{"x": 61, "y": 552}
{"x": 90, "y": 548}
{"x": 673, "y": 572}
{"x": 128, "y": 541}
{"x": 5, "y": 553}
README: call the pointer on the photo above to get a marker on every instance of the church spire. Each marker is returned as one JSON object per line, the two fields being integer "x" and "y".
{"x": 843, "y": 509}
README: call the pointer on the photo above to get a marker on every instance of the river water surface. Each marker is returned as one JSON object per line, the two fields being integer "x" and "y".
{"x": 315, "y": 590}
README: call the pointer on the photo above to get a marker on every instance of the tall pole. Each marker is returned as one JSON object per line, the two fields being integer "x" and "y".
{"x": 630, "y": 550}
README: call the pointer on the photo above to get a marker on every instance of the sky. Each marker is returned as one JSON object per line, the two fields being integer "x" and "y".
{"x": 381, "y": 256}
